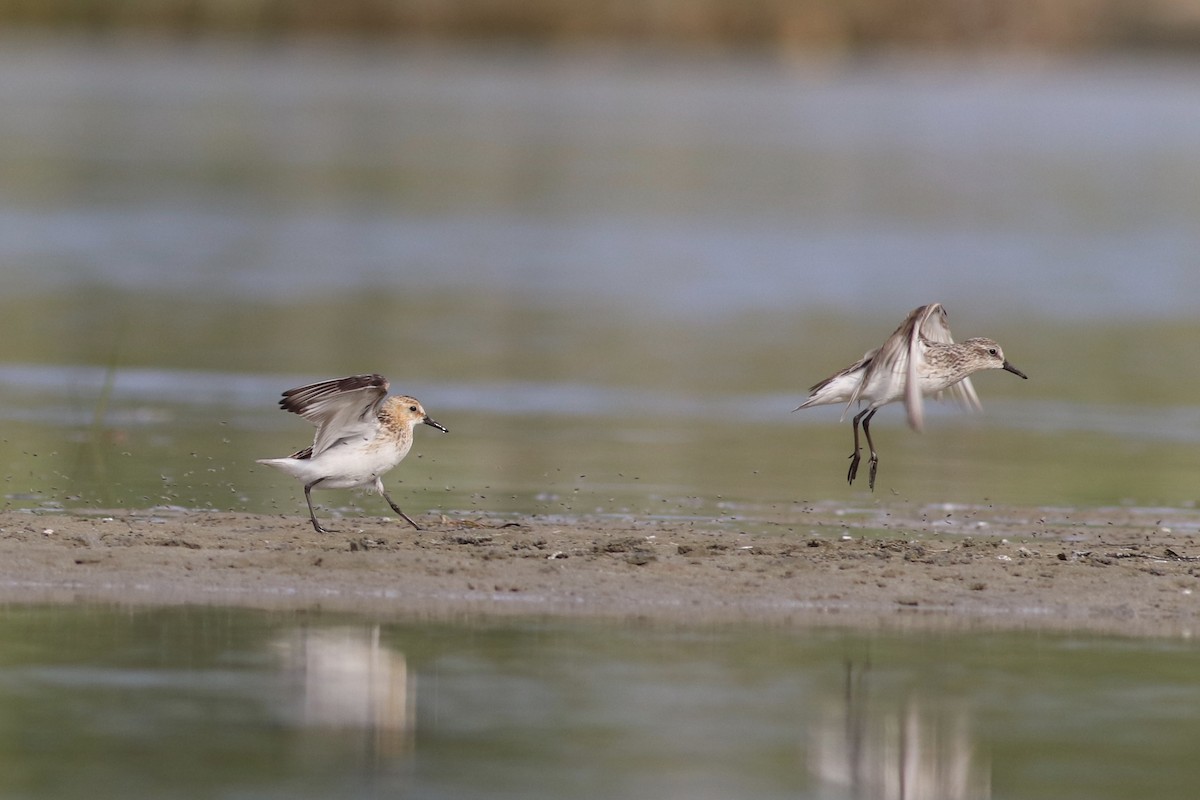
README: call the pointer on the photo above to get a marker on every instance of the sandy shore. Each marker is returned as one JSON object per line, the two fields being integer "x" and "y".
{"x": 1112, "y": 571}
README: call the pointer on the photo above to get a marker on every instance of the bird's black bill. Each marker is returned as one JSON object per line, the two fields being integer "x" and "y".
{"x": 433, "y": 424}
{"x": 1007, "y": 367}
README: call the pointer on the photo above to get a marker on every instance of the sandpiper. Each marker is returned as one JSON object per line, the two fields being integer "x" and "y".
{"x": 919, "y": 359}
{"x": 361, "y": 434}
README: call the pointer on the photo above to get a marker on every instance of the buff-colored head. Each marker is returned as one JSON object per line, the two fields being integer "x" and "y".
{"x": 408, "y": 411}
{"x": 988, "y": 355}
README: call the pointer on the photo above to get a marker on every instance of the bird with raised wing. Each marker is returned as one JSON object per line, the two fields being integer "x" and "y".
{"x": 920, "y": 359}
{"x": 361, "y": 434}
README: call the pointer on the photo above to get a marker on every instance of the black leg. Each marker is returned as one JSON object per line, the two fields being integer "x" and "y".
{"x": 392, "y": 503}
{"x": 312, "y": 514}
{"x": 871, "y": 446}
{"x": 855, "y": 457}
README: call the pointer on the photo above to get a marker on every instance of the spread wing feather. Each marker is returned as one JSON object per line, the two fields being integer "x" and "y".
{"x": 340, "y": 408}
{"x": 900, "y": 360}
{"x": 934, "y": 327}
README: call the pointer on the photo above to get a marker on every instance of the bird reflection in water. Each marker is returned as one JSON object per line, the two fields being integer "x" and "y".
{"x": 349, "y": 680}
{"x": 897, "y": 745}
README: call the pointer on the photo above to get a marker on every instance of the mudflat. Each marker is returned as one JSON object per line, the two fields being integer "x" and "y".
{"x": 1133, "y": 572}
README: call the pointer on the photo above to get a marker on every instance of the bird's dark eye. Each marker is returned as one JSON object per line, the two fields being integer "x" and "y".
{"x": 991, "y": 351}
{"x": 414, "y": 408}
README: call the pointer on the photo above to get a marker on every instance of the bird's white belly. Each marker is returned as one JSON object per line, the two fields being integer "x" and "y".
{"x": 886, "y": 388}
{"x": 881, "y": 389}
{"x": 348, "y": 465}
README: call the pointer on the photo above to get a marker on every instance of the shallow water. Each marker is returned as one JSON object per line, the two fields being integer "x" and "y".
{"x": 611, "y": 275}
{"x": 218, "y": 703}
{"x": 190, "y": 439}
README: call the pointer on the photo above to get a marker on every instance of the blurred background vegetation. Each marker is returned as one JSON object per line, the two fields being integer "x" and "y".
{"x": 779, "y": 26}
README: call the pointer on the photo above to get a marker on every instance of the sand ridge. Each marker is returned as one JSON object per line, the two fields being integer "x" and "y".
{"x": 1109, "y": 571}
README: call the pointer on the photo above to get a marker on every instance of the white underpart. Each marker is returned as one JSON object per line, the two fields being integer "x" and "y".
{"x": 346, "y": 464}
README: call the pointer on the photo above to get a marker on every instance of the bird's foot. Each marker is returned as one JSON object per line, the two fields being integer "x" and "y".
{"x": 874, "y": 469}
{"x": 855, "y": 457}
{"x": 396, "y": 508}
{"x": 406, "y": 517}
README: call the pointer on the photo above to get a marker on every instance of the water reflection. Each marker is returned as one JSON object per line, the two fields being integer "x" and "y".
{"x": 194, "y": 702}
{"x": 348, "y": 680}
{"x": 909, "y": 745}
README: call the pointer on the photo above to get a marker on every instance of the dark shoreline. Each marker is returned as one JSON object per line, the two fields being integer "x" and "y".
{"x": 781, "y": 27}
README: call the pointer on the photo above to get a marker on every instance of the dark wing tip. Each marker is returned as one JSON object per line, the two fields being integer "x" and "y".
{"x": 347, "y": 384}
{"x": 298, "y": 399}
{"x": 355, "y": 382}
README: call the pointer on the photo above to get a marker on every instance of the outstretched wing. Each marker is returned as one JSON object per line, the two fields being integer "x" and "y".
{"x": 932, "y": 326}
{"x": 340, "y": 408}
{"x": 888, "y": 372}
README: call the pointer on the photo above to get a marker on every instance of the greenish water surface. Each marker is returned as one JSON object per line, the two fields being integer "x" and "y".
{"x": 572, "y": 416}
{"x": 190, "y": 703}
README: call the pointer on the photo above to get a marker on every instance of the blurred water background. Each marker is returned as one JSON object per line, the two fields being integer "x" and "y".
{"x": 611, "y": 272}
